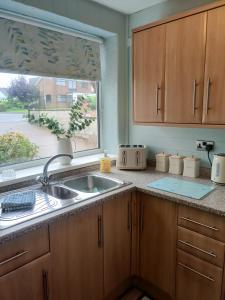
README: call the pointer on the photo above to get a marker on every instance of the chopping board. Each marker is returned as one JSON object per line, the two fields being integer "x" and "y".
{"x": 182, "y": 187}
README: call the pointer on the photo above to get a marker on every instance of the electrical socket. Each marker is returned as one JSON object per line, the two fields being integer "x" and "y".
{"x": 201, "y": 145}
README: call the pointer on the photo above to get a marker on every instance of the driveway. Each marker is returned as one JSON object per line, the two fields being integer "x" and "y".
{"x": 42, "y": 137}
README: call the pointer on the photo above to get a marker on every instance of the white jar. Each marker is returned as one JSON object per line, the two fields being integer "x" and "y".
{"x": 191, "y": 167}
{"x": 176, "y": 164}
{"x": 65, "y": 147}
{"x": 162, "y": 162}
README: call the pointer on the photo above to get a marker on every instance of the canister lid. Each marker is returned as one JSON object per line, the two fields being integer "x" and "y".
{"x": 177, "y": 156}
{"x": 193, "y": 158}
{"x": 163, "y": 154}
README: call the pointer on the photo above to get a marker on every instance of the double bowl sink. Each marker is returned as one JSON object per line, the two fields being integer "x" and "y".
{"x": 82, "y": 188}
{"x": 59, "y": 195}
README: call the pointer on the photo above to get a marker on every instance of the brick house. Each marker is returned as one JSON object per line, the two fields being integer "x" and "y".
{"x": 60, "y": 93}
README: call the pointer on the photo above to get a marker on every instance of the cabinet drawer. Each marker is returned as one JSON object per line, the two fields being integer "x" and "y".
{"x": 24, "y": 249}
{"x": 201, "y": 246}
{"x": 197, "y": 279}
{"x": 205, "y": 223}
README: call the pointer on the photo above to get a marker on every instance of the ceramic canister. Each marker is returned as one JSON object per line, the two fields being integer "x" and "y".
{"x": 162, "y": 162}
{"x": 176, "y": 164}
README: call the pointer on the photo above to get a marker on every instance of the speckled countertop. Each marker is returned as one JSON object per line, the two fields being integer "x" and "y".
{"x": 213, "y": 202}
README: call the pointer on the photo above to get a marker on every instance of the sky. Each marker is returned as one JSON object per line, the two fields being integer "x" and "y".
{"x": 6, "y": 78}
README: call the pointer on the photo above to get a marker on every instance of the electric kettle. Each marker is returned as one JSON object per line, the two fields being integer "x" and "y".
{"x": 218, "y": 168}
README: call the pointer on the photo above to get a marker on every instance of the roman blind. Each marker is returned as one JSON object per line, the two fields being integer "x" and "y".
{"x": 29, "y": 49}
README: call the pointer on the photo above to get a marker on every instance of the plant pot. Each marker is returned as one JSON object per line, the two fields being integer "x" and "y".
{"x": 65, "y": 147}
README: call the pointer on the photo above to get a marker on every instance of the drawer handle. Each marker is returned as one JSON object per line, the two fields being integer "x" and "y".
{"x": 18, "y": 255}
{"x": 198, "y": 223}
{"x": 196, "y": 272}
{"x": 196, "y": 248}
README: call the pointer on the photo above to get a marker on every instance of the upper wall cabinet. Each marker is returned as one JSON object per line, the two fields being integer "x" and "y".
{"x": 179, "y": 69}
{"x": 214, "y": 93}
{"x": 184, "y": 72}
{"x": 148, "y": 74}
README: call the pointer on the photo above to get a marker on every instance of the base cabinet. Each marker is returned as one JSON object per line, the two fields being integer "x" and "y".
{"x": 157, "y": 250}
{"x": 28, "y": 282}
{"x": 77, "y": 256}
{"x": 117, "y": 241}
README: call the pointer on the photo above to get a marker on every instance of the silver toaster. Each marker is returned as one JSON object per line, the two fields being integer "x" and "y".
{"x": 131, "y": 157}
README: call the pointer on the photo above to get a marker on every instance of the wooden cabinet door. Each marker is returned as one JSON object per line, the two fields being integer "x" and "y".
{"x": 197, "y": 279}
{"x": 214, "y": 93}
{"x": 27, "y": 282}
{"x": 184, "y": 74}
{"x": 157, "y": 253}
{"x": 148, "y": 74}
{"x": 117, "y": 241}
{"x": 77, "y": 256}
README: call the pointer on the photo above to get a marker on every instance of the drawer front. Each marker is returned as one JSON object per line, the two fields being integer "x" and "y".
{"x": 197, "y": 279}
{"x": 202, "y": 222}
{"x": 201, "y": 246}
{"x": 24, "y": 249}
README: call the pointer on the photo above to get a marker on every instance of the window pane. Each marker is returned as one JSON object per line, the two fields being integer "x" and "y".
{"x": 30, "y": 104}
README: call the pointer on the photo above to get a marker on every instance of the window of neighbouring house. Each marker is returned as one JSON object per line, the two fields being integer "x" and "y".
{"x": 26, "y": 99}
{"x": 60, "y": 82}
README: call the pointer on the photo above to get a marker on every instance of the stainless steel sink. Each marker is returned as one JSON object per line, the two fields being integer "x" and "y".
{"x": 59, "y": 192}
{"x": 93, "y": 184}
{"x": 59, "y": 195}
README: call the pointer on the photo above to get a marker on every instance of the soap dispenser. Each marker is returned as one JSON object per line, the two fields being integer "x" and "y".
{"x": 105, "y": 163}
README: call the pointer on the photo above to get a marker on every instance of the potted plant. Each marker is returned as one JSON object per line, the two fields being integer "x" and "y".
{"x": 77, "y": 122}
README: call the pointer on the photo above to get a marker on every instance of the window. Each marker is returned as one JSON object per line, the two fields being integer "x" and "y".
{"x": 72, "y": 84}
{"x": 62, "y": 98}
{"x": 22, "y": 139}
{"x": 48, "y": 98}
{"x": 61, "y": 82}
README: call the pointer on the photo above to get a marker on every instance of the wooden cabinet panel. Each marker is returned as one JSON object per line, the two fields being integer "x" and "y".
{"x": 158, "y": 235}
{"x": 117, "y": 241}
{"x": 197, "y": 279}
{"x": 201, "y": 246}
{"x": 184, "y": 74}
{"x": 27, "y": 282}
{"x": 148, "y": 74}
{"x": 202, "y": 222}
{"x": 77, "y": 256}
{"x": 17, "y": 252}
{"x": 214, "y": 93}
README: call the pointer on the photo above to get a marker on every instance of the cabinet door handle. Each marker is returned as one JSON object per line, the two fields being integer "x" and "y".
{"x": 100, "y": 232}
{"x": 158, "y": 88}
{"x": 45, "y": 285}
{"x": 129, "y": 219}
{"x": 194, "y": 97}
{"x": 18, "y": 255}
{"x": 200, "y": 224}
{"x": 142, "y": 217}
{"x": 209, "y": 83}
{"x": 196, "y": 272}
{"x": 197, "y": 248}
{"x": 137, "y": 158}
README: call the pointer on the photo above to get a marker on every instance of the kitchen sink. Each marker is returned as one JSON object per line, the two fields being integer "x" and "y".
{"x": 93, "y": 184}
{"x": 56, "y": 196}
{"x": 59, "y": 192}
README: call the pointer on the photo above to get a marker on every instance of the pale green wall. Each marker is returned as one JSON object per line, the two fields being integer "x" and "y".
{"x": 169, "y": 139}
{"x": 114, "y": 80}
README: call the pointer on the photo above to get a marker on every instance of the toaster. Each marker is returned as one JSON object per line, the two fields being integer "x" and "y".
{"x": 131, "y": 157}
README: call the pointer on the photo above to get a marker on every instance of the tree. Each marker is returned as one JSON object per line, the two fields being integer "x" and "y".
{"x": 23, "y": 91}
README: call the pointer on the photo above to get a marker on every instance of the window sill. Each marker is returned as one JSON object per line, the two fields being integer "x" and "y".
{"x": 54, "y": 168}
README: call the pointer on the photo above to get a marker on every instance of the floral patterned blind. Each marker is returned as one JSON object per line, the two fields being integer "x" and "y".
{"x": 29, "y": 49}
